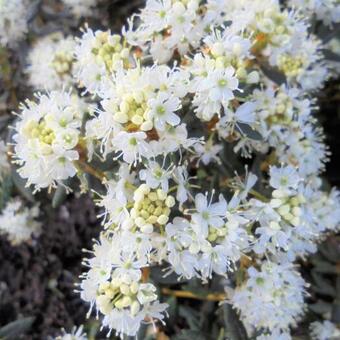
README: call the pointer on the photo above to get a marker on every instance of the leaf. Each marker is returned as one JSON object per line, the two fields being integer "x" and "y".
{"x": 190, "y": 335}
{"x": 321, "y": 285}
{"x": 321, "y": 307}
{"x": 5, "y": 191}
{"x": 323, "y": 266}
{"x": 330, "y": 55}
{"x": 172, "y": 310}
{"x": 326, "y": 33}
{"x": 59, "y": 196}
{"x": 274, "y": 74}
{"x": 16, "y": 328}
{"x": 191, "y": 316}
{"x": 248, "y": 131}
{"x": 234, "y": 327}
{"x": 20, "y": 184}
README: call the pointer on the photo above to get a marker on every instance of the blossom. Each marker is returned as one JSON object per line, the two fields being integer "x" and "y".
{"x": 19, "y": 223}
{"x": 50, "y": 62}
{"x": 76, "y": 334}
{"x": 325, "y": 330}
{"x": 272, "y": 297}
{"x": 80, "y": 8}
{"x": 162, "y": 111}
{"x": 118, "y": 293}
{"x": 13, "y": 21}
{"x": 47, "y": 134}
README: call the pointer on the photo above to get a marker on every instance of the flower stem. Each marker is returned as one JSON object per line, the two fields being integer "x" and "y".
{"x": 90, "y": 170}
{"x": 190, "y": 295}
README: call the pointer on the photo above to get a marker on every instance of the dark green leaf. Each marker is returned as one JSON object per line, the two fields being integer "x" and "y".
{"x": 330, "y": 55}
{"x": 190, "y": 335}
{"x": 20, "y": 184}
{"x": 274, "y": 74}
{"x": 248, "y": 131}
{"x": 328, "y": 33}
{"x": 191, "y": 317}
{"x": 59, "y": 196}
{"x": 322, "y": 285}
{"x": 233, "y": 326}
{"x": 323, "y": 266}
{"x": 12, "y": 330}
{"x": 5, "y": 191}
{"x": 321, "y": 307}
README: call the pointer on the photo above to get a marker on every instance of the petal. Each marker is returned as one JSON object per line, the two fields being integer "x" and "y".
{"x": 201, "y": 202}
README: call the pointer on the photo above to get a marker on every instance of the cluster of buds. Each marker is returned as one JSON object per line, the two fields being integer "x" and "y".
{"x": 151, "y": 209}
{"x": 123, "y": 293}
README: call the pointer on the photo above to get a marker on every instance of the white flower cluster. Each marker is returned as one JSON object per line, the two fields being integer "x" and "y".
{"x": 76, "y": 334}
{"x": 18, "y": 222}
{"x": 13, "y": 21}
{"x": 292, "y": 221}
{"x": 185, "y": 79}
{"x": 80, "y": 8}
{"x": 48, "y": 133}
{"x": 325, "y": 330}
{"x": 327, "y": 11}
{"x": 50, "y": 62}
{"x": 272, "y": 297}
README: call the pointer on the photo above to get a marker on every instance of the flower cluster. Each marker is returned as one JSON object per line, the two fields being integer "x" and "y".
{"x": 80, "y": 8}
{"x": 324, "y": 330}
{"x": 76, "y": 334}
{"x": 48, "y": 133}
{"x": 190, "y": 87}
{"x": 272, "y": 297}
{"x": 50, "y": 62}
{"x": 19, "y": 223}
{"x": 13, "y": 21}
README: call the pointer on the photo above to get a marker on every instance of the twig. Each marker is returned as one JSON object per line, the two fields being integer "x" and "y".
{"x": 190, "y": 295}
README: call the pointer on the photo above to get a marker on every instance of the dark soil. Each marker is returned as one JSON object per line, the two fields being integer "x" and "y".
{"x": 39, "y": 279}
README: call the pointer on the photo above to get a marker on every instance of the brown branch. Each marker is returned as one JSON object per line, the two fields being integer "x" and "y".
{"x": 190, "y": 295}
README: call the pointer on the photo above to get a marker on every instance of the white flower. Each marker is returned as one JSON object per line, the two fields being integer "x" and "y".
{"x": 284, "y": 178}
{"x": 209, "y": 213}
{"x": 325, "y": 330}
{"x": 208, "y": 151}
{"x": 76, "y": 334}
{"x": 272, "y": 297}
{"x": 81, "y": 8}
{"x": 156, "y": 176}
{"x": 47, "y": 133}
{"x": 13, "y": 21}
{"x": 98, "y": 54}
{"x": 328, "y": 11}
{"x": 132, "y": 146}
{"x": 113, "y": 284}
{"x": 162, "y": 110}
{"x": 19, "y": 223}
{"x": 50, "y": 62}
